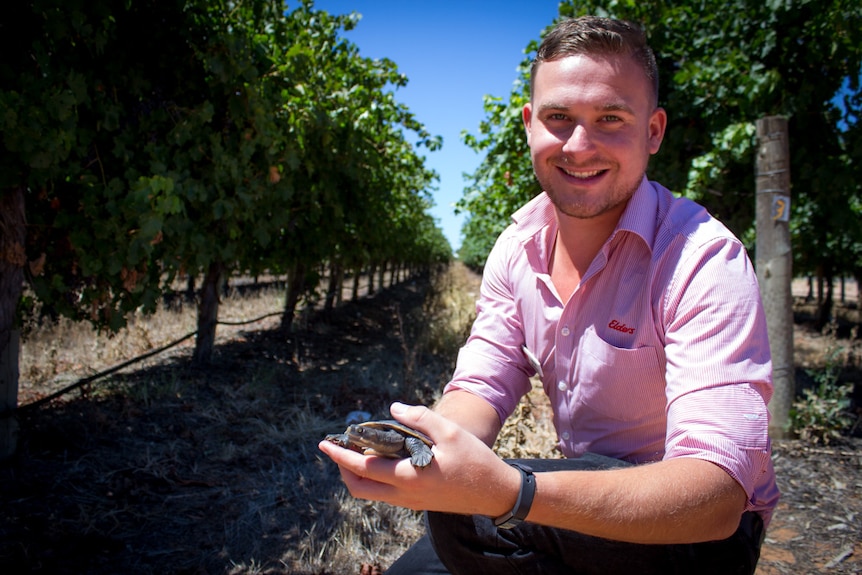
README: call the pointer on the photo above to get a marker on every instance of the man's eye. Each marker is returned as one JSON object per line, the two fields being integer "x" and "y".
{"x": 611, "y": 118}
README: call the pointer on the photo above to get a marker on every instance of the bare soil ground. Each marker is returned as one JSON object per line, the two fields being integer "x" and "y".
{"x": 171, "y": 469}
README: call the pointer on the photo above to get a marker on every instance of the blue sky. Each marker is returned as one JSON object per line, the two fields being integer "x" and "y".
{"x": 453, "y": 53}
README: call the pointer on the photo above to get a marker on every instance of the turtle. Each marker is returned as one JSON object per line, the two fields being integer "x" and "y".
{"x": 387, "y": 438}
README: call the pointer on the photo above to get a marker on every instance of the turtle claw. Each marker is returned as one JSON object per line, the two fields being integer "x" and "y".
{"x": 420, "y": 454}
{"x": 421, "y": 460}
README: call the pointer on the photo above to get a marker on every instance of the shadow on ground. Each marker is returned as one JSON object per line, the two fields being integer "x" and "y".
{"x": 177, "y": 469}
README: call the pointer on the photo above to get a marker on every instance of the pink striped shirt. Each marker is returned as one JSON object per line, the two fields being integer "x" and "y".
{"x": 661, "y": 352}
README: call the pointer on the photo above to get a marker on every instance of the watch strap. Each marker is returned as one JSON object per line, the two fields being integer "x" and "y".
{"x": 525, "y": 499}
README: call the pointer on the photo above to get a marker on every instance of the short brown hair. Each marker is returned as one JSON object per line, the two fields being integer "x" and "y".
{"x": 595, "y": 35}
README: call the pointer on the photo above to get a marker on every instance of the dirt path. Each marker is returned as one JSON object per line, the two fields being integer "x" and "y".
{"x": 817, "y": 527}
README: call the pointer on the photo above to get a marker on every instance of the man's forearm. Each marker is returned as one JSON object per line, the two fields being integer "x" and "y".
{"x": 675, "y": 501}
{"x": 472, "y": 413}
{"x": 682, "y": 500}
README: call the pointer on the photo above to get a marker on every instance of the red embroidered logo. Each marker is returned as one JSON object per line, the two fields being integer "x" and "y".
{"x": 621, "y": 327}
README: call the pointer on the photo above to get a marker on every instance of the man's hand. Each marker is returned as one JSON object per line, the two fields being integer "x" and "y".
{"x": 464, "y": 477}
{"x": 681, "y": 500}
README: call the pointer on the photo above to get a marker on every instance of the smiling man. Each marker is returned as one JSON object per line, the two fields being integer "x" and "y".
{"x": 641, "y": 315}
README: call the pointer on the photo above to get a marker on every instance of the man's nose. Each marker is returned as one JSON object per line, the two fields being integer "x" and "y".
{"x": 578, "y": 140}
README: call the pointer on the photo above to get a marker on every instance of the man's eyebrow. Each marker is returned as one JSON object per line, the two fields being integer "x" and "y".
{"x": 616, "y": 107}
{"x": 609, "y": 107}
{"x": 552, "y": 107}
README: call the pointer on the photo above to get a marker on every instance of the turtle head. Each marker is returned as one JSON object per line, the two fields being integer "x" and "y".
{"x": 380, "y": 440}
{"x": 360, "y": 435}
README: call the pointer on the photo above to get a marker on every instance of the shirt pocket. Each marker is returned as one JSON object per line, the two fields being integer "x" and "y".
{"x": 622, "y": 384}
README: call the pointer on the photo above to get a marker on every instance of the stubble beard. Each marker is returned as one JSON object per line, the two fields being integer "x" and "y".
{"x": 572, "y": 205}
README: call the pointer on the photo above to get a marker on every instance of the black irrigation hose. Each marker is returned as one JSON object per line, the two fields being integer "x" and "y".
{"x": 89, "y": 379}
{"x": 250, "y": 320}
{"x": 95, "y": 376}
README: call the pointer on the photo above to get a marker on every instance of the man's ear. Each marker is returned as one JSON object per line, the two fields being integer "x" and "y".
{"x": 657, "y": 126}
{"x": 527, "y": 117}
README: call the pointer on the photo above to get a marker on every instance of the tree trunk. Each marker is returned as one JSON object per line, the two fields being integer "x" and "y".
{"x": 13, "y": 257}
{"x": 819, "y": 285}
{"x": 9, "y": 395}
{"x": 858, "y": 277}
{"x": 190, "y": 288}
{"x": 208, "y": 314}
{"x": 774, "y": 262}
{"x": 826, "y": 305}
{"x": 295, "y": 287}
{"x": 333, "y": 288}
{"x": 339, "y": 294}
{"x": 357, "y": 275}
{"x": 371, "y": 271}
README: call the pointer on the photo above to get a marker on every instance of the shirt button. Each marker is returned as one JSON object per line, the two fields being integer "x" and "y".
{"x": 566, "y": 435}
{"x": 565, "y": 331}
{"x": 562, "y": 386}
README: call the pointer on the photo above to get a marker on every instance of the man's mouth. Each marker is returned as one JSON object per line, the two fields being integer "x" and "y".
{"x": 582, "y": 175}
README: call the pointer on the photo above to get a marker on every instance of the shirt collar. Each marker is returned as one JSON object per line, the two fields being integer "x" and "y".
{"x": 535, "y": 226}
{"x": 535, "y": 215}
{"x": 640, "y": 214}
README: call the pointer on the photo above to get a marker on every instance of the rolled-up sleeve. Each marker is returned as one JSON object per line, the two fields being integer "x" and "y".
{"x": 491, "y": 364}
{"x": 719, "y": 366}
{"x": 727, "y": 426}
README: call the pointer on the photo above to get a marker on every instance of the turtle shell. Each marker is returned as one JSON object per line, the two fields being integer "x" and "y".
{"x": 391, "y": 424}
{"x": 387, "y": 438}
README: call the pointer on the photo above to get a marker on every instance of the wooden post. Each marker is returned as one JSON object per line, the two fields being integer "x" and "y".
{"x": 774, "y": 262}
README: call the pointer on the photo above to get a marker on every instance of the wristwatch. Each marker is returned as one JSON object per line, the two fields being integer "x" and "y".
{"x": 525, "y": 499}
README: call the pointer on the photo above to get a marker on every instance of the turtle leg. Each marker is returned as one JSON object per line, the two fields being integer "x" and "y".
{"x": 420, "y": 453}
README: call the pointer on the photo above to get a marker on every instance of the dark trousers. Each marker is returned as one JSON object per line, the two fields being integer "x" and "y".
{"x": 472, "y": 545}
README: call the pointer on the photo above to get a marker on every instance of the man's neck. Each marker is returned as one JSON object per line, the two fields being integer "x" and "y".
{"x": 575, "y": 247}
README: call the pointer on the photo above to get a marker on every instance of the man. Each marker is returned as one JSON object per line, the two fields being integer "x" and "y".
{"x": 642, "y": 317}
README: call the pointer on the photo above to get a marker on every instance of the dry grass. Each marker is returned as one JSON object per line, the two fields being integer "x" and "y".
{"x": 164, "y": 468}
{"x": 54, "y": 353}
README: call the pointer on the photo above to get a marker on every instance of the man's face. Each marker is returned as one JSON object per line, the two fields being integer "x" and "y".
{"x": 591, "y": 126}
